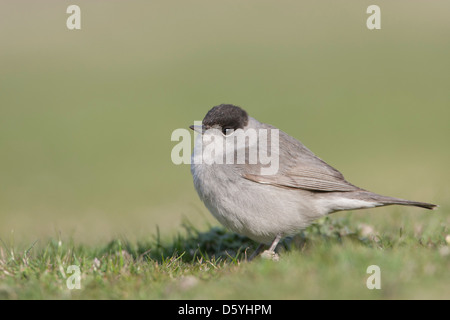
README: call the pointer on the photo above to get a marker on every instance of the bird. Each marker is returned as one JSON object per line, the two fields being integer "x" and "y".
{"x": 268, "y": 207}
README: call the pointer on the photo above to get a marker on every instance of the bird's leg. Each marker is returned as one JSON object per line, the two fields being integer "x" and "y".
{"x": 270, "y": 254}
{"x": 257, "y": 251}
{"x": 275, "y": 242}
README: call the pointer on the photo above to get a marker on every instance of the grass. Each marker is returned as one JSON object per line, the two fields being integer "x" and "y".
{"x": 326, "y": 261}
{"x": 86, "y": 118}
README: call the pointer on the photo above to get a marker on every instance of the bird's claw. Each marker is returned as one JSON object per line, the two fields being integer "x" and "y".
{"x": 270, "y": 255}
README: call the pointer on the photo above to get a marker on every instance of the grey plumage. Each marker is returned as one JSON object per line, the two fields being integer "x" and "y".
{"x": 268, "y": 207}
{"x": 306, "y": 171}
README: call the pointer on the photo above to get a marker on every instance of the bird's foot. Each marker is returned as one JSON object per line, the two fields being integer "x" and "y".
{"x": 270, "y": 255}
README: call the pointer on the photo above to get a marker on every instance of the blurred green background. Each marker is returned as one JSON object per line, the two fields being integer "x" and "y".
{"x": 86, "y": 116}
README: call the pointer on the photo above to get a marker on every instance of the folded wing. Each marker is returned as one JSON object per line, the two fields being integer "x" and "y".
{"x": 299, "y": 168}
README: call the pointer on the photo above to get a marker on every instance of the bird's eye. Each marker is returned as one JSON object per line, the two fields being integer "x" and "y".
{"x": 227, "y": 131}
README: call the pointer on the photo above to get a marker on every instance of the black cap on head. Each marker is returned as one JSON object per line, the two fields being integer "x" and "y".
{"x": 226, "y": 115}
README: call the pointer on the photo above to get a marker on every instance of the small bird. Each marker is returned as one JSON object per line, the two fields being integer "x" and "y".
{"x": 268, "y": 207}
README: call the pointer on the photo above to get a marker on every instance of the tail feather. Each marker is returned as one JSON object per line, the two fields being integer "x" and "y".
{"x": 402, "y": 202}
{"x": 385, "y": 201}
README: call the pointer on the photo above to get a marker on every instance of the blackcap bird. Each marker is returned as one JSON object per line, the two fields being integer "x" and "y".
{"x": 268, "y": 194}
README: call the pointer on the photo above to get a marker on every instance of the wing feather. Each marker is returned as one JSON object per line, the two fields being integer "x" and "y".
{"x": 299, "y": 168}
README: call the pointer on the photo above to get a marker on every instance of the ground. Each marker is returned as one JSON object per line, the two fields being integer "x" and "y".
{"x": 329, "y": 260}
{"x": 86, "y": 119}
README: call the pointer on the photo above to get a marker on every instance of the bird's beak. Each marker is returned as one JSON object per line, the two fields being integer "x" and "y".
{"x": 199, "y": 129}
